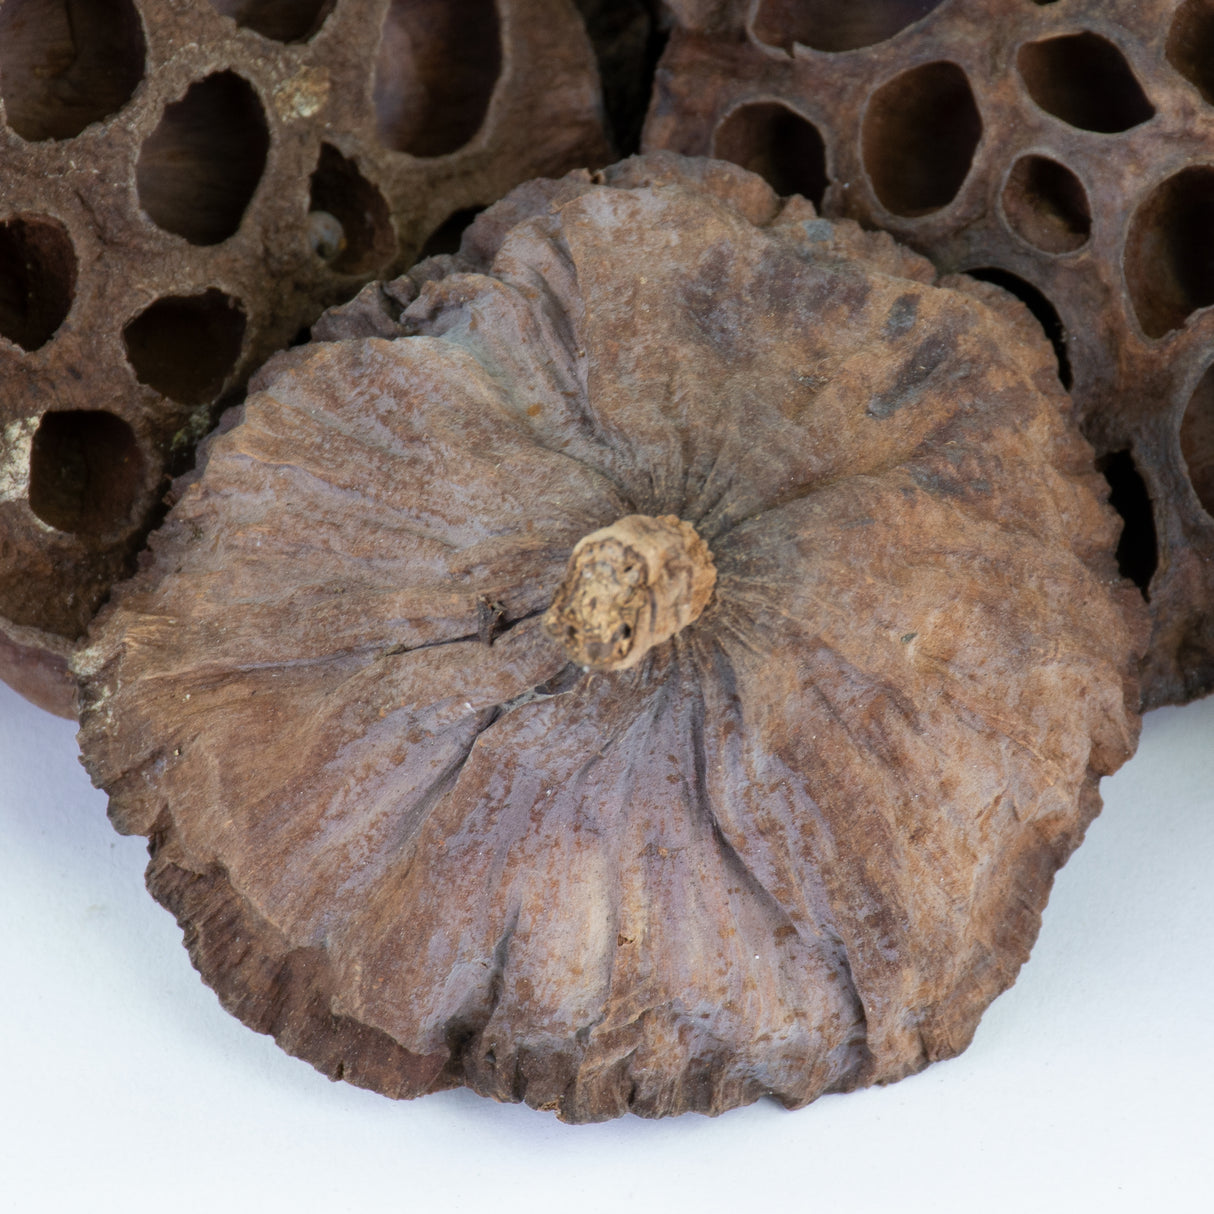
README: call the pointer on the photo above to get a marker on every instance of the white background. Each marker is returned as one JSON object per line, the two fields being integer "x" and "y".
{"x": 125, "y": 1087}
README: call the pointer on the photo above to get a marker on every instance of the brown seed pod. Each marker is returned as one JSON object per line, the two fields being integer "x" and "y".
{"x": 1064, "y": 152}
{"x": 796, "y": 847}
{"x": 186, "y": 186}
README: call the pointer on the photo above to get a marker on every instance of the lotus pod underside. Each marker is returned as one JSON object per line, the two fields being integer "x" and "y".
{"x": 800, "y": 842}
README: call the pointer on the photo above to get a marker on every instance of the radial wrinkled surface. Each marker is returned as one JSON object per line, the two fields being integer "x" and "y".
{"x": 796, "y": 850}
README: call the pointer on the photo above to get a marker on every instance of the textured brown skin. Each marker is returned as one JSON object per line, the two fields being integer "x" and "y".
{"x": 1131, "y": 389}
{"x": 800, "y": 847}
{"x": 543, "y": 119}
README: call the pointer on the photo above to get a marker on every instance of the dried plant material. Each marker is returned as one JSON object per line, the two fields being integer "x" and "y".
{"x": 629, "y": 587}
{"x": 801, "y": 843}
{"x": 35, "y": 669}
{"x": 186, "y": 188}
{"x": 1064, "y": 152}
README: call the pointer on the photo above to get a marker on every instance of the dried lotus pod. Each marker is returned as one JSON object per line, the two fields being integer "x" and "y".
{"x": 1062, "y": 151}
{"x": 426, "y": 817}
{"x": 185, "y": 186}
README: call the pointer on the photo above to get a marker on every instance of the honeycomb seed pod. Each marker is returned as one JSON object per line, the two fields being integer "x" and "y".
{"x": 1064, "y": 151}
{"x": 655, "y": 658}
{"x": 185, "y": 187}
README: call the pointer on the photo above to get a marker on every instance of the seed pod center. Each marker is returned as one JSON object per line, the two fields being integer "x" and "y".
{"x": 630, "y": 587}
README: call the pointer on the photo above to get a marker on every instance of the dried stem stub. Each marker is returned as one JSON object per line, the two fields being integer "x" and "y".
{"x": 630, "y": 587}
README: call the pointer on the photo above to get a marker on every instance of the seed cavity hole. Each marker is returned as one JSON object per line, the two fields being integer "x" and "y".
{"x": 1043, "y": 312}
{"x": 65, "y": 64}
{"x": 1169, "y": 266}
{"x": 86, "y": 471}
{"x": 836, "y": 25}
{"x": 279, "y": 20}
{"x": 447, "y": 236}
{"x": 776, "y": 142}
{"x": 1084, "y": 80}
{"x": 1190, "y": 48}
{"x": 1138, "y": 548}
{"x": 1197, "y": 440}
{"x": 1046, "y": 205}
{"x": 186, "y": 346}
{"x": 198, "y": 169}
{"x": 628, "y": 40}
{"x": 37, "y": 279}
{"x": 349, "y": 225}
{"x": 437, "y": 67}
{"x": 920, "y": 132}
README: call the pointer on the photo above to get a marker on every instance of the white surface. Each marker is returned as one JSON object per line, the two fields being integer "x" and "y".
{"x": 125, "y": 1087}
